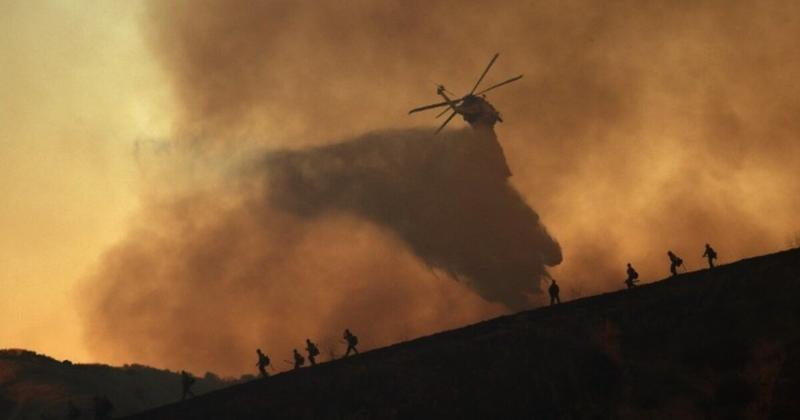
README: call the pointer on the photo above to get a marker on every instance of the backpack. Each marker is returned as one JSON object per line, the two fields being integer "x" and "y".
{"x": 313, "y": 350}
{"x": 678, "y": 262}
{"x": 634, "y": 274}
{"x": 353, "y": 340}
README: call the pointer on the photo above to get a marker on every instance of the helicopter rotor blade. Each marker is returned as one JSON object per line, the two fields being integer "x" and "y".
{"x": 455, "y": 102}
{"x": 513, "y": 79}
{"x": 445, "y": 122}
{"x": 484, "y": 73}
{"x": 422, "y": 108}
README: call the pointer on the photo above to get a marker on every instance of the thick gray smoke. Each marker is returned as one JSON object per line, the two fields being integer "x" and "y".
{"x": 444, "y": 195}
{"x": 368, "y": 233}
{"x": 638, "y": 127}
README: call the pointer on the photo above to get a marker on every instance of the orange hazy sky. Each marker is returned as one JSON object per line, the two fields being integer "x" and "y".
{"x": 77, "y": 90}
{"x": 636, "y": 127}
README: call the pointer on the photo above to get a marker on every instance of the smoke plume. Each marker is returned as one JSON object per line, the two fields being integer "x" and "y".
{"x": 638, "y": 127}
{"x": 444, "y": 196}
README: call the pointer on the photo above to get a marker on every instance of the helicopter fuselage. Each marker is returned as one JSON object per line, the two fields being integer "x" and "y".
{"x": 478, "y": 112}
{"x": 475, "y": 110}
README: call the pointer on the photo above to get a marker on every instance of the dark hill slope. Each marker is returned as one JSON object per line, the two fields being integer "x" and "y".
{"x": 33, "y": 386}
{"x": 709, "y": 344}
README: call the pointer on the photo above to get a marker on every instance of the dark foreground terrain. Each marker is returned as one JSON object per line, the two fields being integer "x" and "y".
{"x": 709, "y": 344}
{"x": 37, "y": 387}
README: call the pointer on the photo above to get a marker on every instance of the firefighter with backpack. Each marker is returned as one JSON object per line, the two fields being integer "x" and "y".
{"x": 352, "y": 342}
{"x": 553, "y": 290}
{"x": 674, "y": 262}
{"x": 312, "y": 350}
{"x": 711, "y": 255}
{"x": 263, "y": 362}
{"x": 187, "y": 380}
{"x": 633, "y": 277}
{"x": 299, "y": 360}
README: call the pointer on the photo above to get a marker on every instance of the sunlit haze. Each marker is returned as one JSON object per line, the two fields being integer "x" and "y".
{"x": 133, "y": 219}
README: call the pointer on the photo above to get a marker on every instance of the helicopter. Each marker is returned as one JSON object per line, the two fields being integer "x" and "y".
{"x": 473, "y": 106}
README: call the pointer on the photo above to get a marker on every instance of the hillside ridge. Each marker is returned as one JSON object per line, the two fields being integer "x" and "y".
{"x": 709, "y": 343}
{"x": 36, "y": 386}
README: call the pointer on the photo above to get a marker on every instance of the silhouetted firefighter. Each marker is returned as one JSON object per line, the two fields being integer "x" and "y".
{"x": 674, "y": 263}
{"x": 553, "y": 290}
{"x": 312, "y": 350}
{"x": 298, "y": 360}
{"x": 102, "y": 408}
{"x": 352, "y": 342}
{"x": 73, "y": 412}
{"x": 187, "y": 380}
{"x": 633, "y": 277}
{"x": 263, "y": 362}
{"x": 711, "y": 255}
